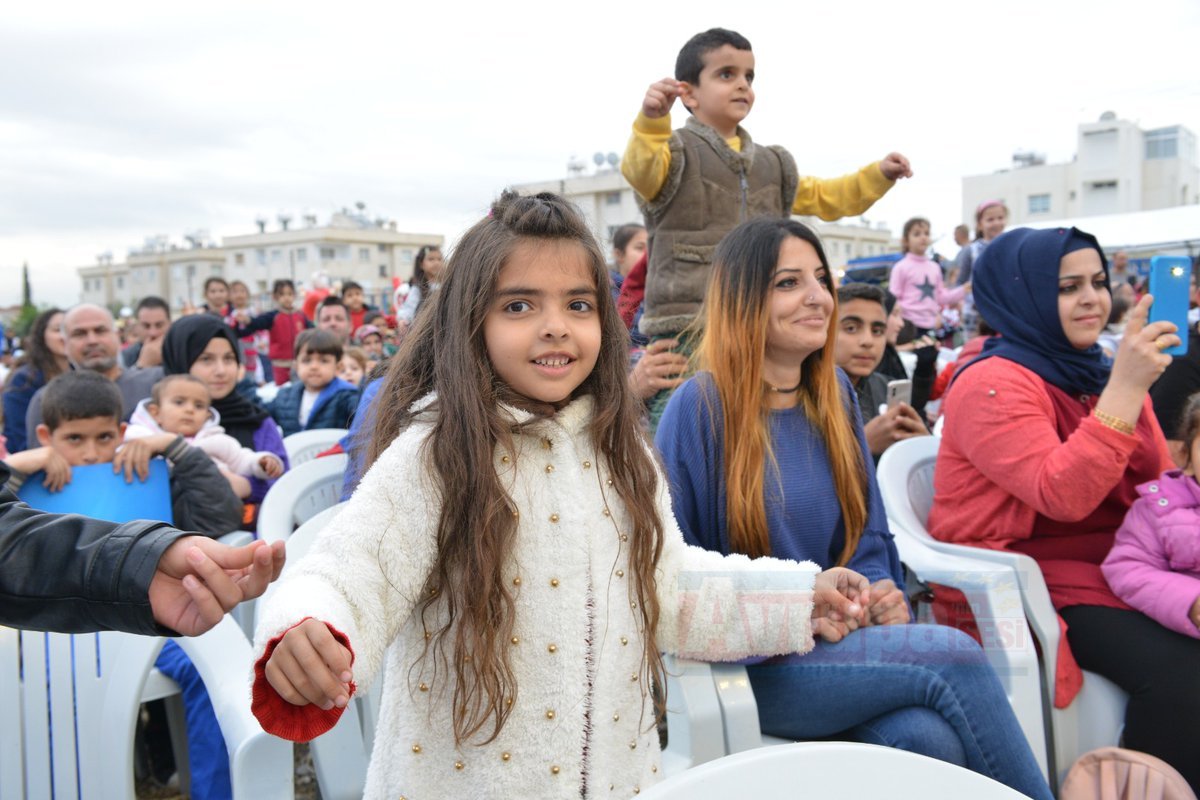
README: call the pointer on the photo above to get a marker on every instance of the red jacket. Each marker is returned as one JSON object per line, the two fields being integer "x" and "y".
{"x": 1024, "y": 466}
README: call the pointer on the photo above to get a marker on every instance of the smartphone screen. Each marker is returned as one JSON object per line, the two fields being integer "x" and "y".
{"x": 1171, "y": 283}
{"x": 899, "y": 392}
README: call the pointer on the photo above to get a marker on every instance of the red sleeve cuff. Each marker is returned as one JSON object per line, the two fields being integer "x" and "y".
{"x": 280, "y": 718}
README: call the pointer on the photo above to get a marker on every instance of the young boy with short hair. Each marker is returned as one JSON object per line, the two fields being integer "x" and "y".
{"x": 283, "y": 326}
{"x": 81, "y": 424}
{"x": 356, "y": 305}
{"x": 697, "y": 183}
{"x": 319, "y": 399}
{"x": 861, "y": 341}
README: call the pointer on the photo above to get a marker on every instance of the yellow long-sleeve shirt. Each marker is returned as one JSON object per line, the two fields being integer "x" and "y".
{"x": 647, "y": 163}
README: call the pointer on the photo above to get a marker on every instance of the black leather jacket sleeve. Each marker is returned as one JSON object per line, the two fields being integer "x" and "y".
{"x": 73, "y": 574}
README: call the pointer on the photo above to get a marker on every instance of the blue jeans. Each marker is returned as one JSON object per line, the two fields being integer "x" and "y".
{"x": 927, "y": 689}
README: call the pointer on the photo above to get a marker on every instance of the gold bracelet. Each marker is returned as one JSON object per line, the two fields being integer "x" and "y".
{"x": 1109, "y": 421}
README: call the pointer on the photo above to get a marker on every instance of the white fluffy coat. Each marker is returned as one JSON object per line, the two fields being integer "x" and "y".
{"x": 582, "y": 722}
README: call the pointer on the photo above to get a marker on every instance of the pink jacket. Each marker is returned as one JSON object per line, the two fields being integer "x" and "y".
{"x": 1154, "y": 565}
{"x": 917, "y": 283}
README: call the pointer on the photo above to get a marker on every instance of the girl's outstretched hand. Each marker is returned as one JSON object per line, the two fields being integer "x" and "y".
{"x": 310, "y": 666}
{"x": 840, "y": 599}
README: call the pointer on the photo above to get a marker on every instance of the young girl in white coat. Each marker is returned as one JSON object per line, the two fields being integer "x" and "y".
{"x": 510, "y": 556}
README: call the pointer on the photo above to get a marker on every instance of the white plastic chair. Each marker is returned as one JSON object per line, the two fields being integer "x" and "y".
{"x": 340, "y": 755}
{"x": 1096, "y": 716}
{"x": 828, "y": 769}
{"x": 695, "y": 724}
{"x": 304, "y": 445}
{"x": 300, "y": 494}
{"x": 69, "y": 706}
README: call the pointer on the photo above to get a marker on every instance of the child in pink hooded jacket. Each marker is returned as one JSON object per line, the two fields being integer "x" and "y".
{"x": 1154, "y": 564}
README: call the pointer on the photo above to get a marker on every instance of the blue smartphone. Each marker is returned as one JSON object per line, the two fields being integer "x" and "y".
{"x": 1171, "y": 284}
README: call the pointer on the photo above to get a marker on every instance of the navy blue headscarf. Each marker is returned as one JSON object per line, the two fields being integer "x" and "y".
{"x": 1015, "y": 283}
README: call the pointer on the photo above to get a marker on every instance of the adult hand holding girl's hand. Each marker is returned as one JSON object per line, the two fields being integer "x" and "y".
{"x": 660, "y": 97}
{"x": 887, "y": 606}
{"x": 840, "y": 599}
{"x": 310, "y": 666}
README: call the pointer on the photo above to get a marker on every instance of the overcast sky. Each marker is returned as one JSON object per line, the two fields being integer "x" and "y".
{"x": 124, "y": 120}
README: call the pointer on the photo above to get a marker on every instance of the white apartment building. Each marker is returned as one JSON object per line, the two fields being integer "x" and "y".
{"x": 349, "y": 247}
{"x": 169, "y": 271}
{"x": 1118, "y": 168}
{"x": 608, "y": 202}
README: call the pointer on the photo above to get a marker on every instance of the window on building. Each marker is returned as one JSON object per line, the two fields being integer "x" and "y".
{"x": 151, "y": 273}
{"x": 381, "y": 247}
{"x": 239, "y": 259}
{"x": 612, "y": 198}
{"x": 1039, "y": 203}
{"x": 364, "y": 254}
{"x": 383, "y": 270}
{"x": 301, "y": 254}
{"x": 328, "y": 254}
{"x": 407, "y": 254}
{"x": 276, "y": 255}
{"x": 216, "y": 269}
{"x": 1102, "y": 185}
{"x": 120, "y": 281}
{"x": 261, "y": 255}
{"x": 191, "y": 270}
{"x": 1162, "y": 143}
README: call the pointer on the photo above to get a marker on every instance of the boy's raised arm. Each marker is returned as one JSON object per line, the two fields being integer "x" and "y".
{"x": 648, "y": 155}
{"x": 850, "y": 195}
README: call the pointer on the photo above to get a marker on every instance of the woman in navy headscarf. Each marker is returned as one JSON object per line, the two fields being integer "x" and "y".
{"x": 1046, "y": 440}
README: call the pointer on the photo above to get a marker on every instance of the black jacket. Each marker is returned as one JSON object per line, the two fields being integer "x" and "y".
{"x": 72, "y": 574}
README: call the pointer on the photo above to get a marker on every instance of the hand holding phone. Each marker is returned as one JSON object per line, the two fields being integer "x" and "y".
{"x": 899, "y": 392}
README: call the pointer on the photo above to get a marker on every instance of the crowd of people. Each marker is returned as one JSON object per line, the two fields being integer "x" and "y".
{"x": 556, "y": 456}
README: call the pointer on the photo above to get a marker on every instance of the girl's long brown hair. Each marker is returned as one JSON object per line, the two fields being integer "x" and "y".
{"x": 732, "y": 348}
{"x": 445, "y": 352}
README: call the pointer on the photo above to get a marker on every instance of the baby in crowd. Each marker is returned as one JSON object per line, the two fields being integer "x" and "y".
{"x": 180, "y": 404}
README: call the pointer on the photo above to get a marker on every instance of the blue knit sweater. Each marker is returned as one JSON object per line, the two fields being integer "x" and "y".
{"x": 333, "y": 408}
{"x": 803, "y": 514}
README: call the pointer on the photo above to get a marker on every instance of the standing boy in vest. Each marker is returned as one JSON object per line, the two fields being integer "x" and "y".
{"x": 696, "y": 184}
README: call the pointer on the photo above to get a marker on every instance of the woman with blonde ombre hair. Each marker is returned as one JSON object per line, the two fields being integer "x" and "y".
{"x": 765, "y": 453}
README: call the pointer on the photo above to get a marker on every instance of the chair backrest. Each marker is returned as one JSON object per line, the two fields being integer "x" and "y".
{"x": 905, "y": 477}
{"x": 304, "y": 445}
{"x": 299, "y": 495}
{"x": 828, "y": 769}
{"x": 69, "y": 706}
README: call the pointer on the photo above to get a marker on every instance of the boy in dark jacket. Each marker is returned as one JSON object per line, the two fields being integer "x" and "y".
{"x": 81, "y": 424}
{"x": 319, "y": 399}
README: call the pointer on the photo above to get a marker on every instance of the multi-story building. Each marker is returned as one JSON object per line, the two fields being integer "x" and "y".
{"x": 1118, "y": 168}
{"x": 349, "y": 247}
{"x": 169, "y": 271}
